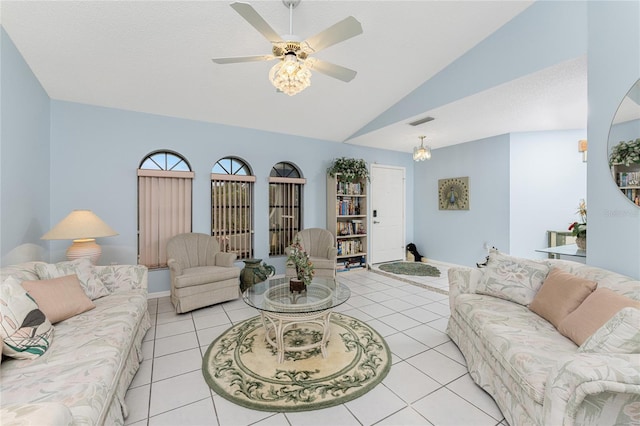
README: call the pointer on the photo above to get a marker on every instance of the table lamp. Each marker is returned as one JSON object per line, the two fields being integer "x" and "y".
{"x": 83, "y": 227}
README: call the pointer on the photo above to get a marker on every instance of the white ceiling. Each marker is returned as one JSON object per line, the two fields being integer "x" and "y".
{"x": 155, "y": 57}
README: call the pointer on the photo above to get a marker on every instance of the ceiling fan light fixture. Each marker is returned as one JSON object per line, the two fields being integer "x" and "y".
{"x": 421, "y": 153}
{"x": 290, "y": 75}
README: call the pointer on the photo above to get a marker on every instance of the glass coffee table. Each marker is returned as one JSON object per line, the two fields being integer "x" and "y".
{"x": 281, "y": 309}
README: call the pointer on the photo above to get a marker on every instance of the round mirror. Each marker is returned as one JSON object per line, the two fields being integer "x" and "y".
{"x": 624, "y": 146}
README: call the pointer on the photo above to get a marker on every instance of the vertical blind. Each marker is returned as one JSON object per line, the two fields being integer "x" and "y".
{"x": 164, "y": 210}
{"x": 232, "y": 213}
{"x": 284, "y": 212}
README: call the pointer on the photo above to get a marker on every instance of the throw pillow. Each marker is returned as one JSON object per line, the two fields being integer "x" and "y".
{"x": 621, "y": 334}
{"x": 59, "y": 298}
{"x": 83, "y": 268}
{"x": 560, "y": 294}
{"x": 593, "y": 313}
{"x": 25, "y": 331}
{"x": 512, "y": 278}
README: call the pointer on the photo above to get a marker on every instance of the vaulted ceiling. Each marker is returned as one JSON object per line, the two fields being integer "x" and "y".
{"x": 155, "y": 57}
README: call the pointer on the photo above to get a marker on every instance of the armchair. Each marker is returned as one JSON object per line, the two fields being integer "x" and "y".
{"x": 320, "y": 245}
{"x": 201, "y": 274}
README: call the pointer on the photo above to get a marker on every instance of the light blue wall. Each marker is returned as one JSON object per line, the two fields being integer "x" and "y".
{"x": 459, "y": 236}
{"x": 548, "y": 180}
{"x": 24, "y": 159}
{"x": 613, "y": 237}
{"x": 545, "y": 34}
{"x": 96, "y": 152}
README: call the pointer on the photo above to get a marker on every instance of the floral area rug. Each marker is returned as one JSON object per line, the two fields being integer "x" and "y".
{"x": 243, "y": 368}
{"x": 411, "y": 268}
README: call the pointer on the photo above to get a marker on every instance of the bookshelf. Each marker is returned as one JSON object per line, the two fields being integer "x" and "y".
{"x": 347, "y": 221}
{"x": 628, "y": 180}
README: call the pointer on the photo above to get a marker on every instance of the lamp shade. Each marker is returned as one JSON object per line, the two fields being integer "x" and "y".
{"x": 79, "y": 224}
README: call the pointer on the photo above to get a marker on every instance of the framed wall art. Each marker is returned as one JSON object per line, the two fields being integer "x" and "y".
{"x": 453, "y": 193}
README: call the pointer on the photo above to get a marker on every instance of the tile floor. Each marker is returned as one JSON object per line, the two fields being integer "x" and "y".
{"x": 428, "y": 383}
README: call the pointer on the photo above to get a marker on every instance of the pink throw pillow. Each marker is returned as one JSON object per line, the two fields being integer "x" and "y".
{"x": 560, "y": 294}
{"x": 59, "y": 298}
{"x": 593, "y": 313}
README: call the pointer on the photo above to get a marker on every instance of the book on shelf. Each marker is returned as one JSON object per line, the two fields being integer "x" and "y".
{"x": 348, "y": 188}
{"x": 353, "y": 227}
{"x": 349, "y": 247}
{"x": 350, "y": 263}
{"x": 346, "y": 206}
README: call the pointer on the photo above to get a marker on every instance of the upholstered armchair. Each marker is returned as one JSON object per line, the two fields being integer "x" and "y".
{"x": 320, "y": 246}
{"x": 201, "y": 274}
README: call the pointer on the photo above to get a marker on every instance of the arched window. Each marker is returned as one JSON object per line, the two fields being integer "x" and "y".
{"x": 232, "y": 206}
{"x": 164, "y": 204}
{"x": 285, "y": 206}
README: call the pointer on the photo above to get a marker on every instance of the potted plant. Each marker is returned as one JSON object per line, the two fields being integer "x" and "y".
{"x": 299, "y": 259}
{"x": 579, "y": 229}
{"x": 625, "y": 153}
{"x": 349, "y": 169}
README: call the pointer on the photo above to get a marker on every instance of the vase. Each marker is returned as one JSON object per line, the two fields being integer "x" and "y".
{"x": 581, "y": 242}
{"x": 296, "y": 285}
{"x": 253, "y": 273}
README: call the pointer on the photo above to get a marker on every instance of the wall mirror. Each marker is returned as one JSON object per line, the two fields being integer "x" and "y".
{"x": 624, "y": 146}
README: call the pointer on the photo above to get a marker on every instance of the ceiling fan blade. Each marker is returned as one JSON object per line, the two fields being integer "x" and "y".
{"x": 243, "y": 59}
{"x": 251, "y": 16}
{"x": 343, "y": 30}
{"x": 332, "y": 70}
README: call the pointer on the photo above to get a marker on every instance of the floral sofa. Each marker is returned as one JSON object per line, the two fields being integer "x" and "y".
{"x": 92, "y": 357}
{"x": 537, "y": 375}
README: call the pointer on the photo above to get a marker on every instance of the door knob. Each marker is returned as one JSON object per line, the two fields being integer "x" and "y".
{"x": 375, "y": 221}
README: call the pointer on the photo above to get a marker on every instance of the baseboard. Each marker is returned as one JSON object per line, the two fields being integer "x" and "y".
{"x": 158, "y": 294}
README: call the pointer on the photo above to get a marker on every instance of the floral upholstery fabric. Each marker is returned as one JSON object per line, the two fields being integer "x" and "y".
{"x": 536, "y": 375}
{"x": 25, "y": 330}
{"x": 511, "y": 278}
{"x": 621, "y": 334}
{"x": 94, "y": 357}
{"x": 44, "y": 414}
{"x": 91, "y": 283}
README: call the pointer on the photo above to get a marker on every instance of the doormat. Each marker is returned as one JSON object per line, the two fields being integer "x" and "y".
{"x": 411, "y": 268}
{"x": 243, "y": 368}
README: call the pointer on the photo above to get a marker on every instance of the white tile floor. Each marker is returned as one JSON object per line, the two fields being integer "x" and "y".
{"x": 428, "y": 383}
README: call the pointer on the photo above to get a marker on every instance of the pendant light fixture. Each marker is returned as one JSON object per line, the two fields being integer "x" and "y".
{"x": 421, "y": 153}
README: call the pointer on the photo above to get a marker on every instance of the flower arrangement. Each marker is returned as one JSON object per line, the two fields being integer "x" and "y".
{"x": 299, "y": 259}
{"x": 625, "y": 153}
{"x": 579, "y": 229}
{"x": 349, "y": 168}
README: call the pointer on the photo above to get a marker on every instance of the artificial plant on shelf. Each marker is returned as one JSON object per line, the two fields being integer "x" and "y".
{"x": 625, "y": 153}
{"x": 579, "y": 229}
{"x": 349, "y": 169}
{"x": 299, "y": 259}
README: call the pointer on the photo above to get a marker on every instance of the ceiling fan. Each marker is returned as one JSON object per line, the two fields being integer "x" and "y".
{"x": 292, "y": 73}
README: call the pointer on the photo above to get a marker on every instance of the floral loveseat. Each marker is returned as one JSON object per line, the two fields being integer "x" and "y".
{"x": 92, "y": 356}
{"x": 536, "y": 375}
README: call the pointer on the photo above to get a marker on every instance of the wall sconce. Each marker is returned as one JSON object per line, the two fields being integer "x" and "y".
{"x": 582, "y": 147}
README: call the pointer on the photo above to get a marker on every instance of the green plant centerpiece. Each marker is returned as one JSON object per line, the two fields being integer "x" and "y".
{"x": 350, "y": 169}
{"x": 579, "y": 229}
{"x": 298, "y": 258}
{"x": 625, "y": 153}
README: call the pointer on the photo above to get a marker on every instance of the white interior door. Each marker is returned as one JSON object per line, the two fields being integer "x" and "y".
{"x": 387, "y": 213}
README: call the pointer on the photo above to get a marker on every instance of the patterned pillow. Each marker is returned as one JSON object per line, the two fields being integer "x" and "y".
{"x": 25, "y": 331}
{"x": 511, "y": 278}
{"x": 83, "y": 268}
{"x": 618, "y": 335}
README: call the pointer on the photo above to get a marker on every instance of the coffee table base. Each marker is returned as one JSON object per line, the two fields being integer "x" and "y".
{"x": 276, "y": 324}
